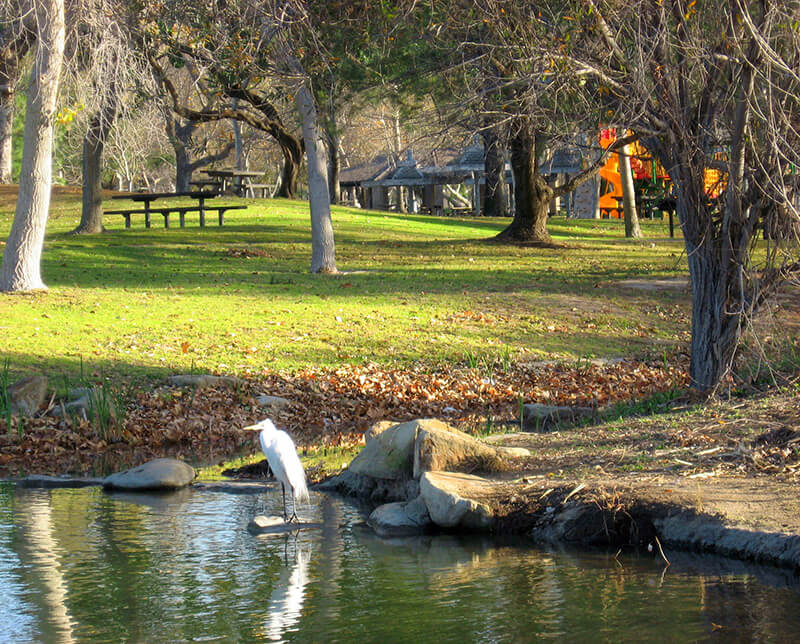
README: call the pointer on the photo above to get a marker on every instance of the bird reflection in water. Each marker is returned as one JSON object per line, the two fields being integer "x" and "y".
{"x": 287, "y": 598}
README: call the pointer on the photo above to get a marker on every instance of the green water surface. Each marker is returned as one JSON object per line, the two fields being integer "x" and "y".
{"x": 86, "y": 566}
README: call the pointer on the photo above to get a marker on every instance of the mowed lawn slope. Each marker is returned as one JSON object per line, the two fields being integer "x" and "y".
{"x": 414, "y": 289}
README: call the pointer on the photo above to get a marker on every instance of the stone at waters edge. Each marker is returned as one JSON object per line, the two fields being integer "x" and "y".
{"x": 389, "y": 454}
{"x": 276, "y": 525}
{"x": 447, "y": 497}
{"x": 400, "y": 518}
{"x": 158, "y": 474}
{"x": 396, "y": 456}
{"x": 26, "y": 396}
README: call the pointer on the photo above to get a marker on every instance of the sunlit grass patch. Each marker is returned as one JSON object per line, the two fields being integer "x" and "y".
{"x": 413, "y": 290}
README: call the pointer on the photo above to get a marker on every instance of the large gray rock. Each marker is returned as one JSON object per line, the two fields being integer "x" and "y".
{"x": 441, "y": 448}
{"x": 27, "y": 395}
{"x": 159, "y": 474}
{"x": 389, "y": 455}
{"x": 378, "y": 428}
{"x": 457, "y": 500}
{"x": 371, "y": 489}
{"x": 400, "y": 519}
{"x": 395, "y": 456}
{"x": 201, "y": 381}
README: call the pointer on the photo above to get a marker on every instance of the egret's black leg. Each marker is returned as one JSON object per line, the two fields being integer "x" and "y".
{"x": 294, "y": 509}
{"x": 283, "y": 490}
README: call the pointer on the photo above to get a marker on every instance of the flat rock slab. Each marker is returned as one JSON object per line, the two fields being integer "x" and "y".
{"x": 232, "y": 487}
{"x": 158, "y": 474}
{"x": 538, "y": 417}
{"x": 204, "y": 380}
{"x": 277, "y": 525}
{"x": 44, "y": 481}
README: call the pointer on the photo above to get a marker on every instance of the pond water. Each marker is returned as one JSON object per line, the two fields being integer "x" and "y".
{"x": 86, "y": 566}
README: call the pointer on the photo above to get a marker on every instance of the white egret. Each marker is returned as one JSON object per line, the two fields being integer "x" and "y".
{"x": 282, "y": 457}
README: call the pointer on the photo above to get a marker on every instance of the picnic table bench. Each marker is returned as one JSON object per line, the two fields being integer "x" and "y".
{"x": 147, "y": 198}
{"x": 240, "y": 181}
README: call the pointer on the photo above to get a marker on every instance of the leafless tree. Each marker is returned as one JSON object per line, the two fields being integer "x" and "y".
{"x": 713, "y": 90}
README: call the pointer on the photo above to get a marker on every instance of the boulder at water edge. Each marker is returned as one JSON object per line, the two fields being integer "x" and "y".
{"x": 457, "y": 500}
{"x": 400, "y": 519}
{"x": 159, "y": 474}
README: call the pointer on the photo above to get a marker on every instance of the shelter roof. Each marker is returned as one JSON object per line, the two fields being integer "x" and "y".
{"x": 568, "y": 160}
{"x": 374, "y": 170}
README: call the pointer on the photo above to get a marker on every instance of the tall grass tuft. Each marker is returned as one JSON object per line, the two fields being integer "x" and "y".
{"x": 5, "y": 397}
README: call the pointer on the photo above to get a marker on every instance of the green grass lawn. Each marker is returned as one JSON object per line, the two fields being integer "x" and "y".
{"x": 413, "y": 289}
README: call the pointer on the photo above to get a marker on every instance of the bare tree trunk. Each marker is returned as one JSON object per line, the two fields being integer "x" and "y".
{"x": 496, "y": 202}
{"x": 323, "y": 255}
{"x": 532, "y": 195}
{"x": 330, "y": 126}
{"x": 292, "y": 156}
{"x": 632, "y": 228}
{"x": 93, "y": 145}
{"x": 6, "y": 132}
{"x": 334, "y": 167}
{"x": 237, "y": 139}
{"x": 21, "y": 269}
{"x": 14, "y": 51}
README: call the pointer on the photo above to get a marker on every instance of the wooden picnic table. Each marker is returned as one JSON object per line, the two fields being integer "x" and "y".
{"x": 238, "y": 180}
{"x": 147, "y": 199}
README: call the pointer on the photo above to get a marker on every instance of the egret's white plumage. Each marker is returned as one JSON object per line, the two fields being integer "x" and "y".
{"x": 282, "y": 457}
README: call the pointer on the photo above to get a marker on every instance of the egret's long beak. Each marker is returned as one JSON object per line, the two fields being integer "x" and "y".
{"x": 252, "y": 428}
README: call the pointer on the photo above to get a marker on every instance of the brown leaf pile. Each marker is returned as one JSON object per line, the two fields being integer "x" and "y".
{"x": 328, "y": 407}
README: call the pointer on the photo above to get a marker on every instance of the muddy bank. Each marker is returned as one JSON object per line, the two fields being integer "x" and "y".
{"x": 662, "y": 516}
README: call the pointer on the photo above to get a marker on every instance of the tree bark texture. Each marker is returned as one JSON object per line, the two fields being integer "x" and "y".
{"x": 17, "y": 40}
{"x": 323, "y": 255}
{"x": 334, "y": 167}
{"x": 180, "y": 136}
{"x": 496, "y": 201}
{"x": 632, "y": 227}
{"x": 6, "y": 135}
{"x": 21, "y": 270}
{"x": 93, "y": 146}
{"x": 292, "y": 157}
{"x": 532, "y": 194}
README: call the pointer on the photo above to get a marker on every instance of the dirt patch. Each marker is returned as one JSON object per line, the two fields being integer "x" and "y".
{"x": 722, "y": 478}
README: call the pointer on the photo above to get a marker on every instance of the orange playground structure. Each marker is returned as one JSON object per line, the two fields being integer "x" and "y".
{"x": 648, "y": 174}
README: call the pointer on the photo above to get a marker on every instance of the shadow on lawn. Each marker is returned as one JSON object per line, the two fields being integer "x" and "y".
{"x": 167, "y": 259}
